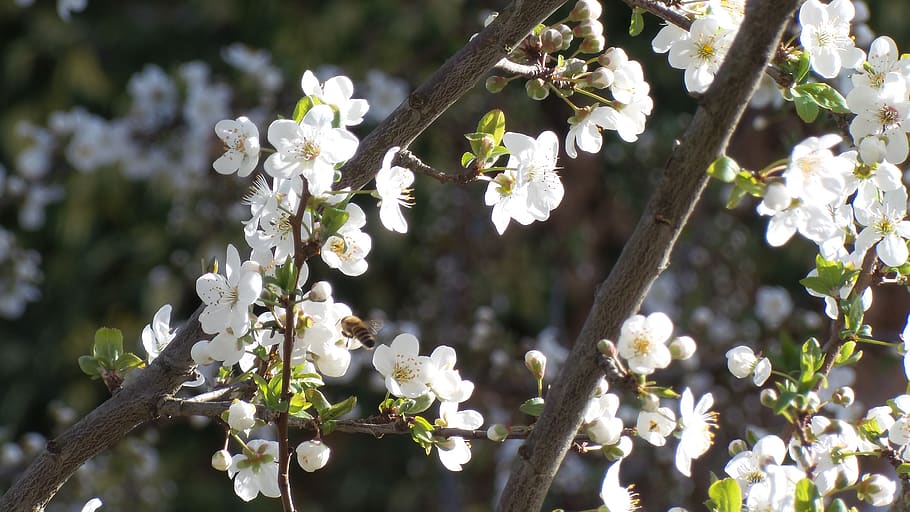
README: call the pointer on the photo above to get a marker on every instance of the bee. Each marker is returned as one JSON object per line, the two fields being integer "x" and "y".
{"x": 363, "y": 331}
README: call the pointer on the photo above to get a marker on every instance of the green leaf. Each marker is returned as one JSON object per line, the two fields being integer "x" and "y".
{"x": 89, "y": 366}
{"x": 637, "y": 24}
{"x": 724, "y": 169}
{"x": 807, "y": 497}
{"x": 286, "y": 275}
{"x": 332, "y": 220}
{"x": 493, "y": 123}
{"x": 853, "y": 312}
{"x": 127, "y": 362}
{"x": 903, "y": 469}
{"x": 838, "y": 505}
{"x": 665, "y": 392}
{"x": 806, "y": 108}
{"x": 318, "y": 400}
{"x": 749, "y": 183}
{"x": 328, "y": 427}
{"x": 298, "y": 404}
{"x": 466, "y": 159}
{"x": 303, "y": 106}
{"x": 802, "y": 67}
{"x": 417, "y": 405}
{"x": 108, "y": 346}
{"x": 478, "y": 142}
{"x": 339, "y": 409}
{"x": 726, "y": 495}
{"x": 845, "y": 353}
{"x": 422, "y": 433}
{"x": 825, "y": 97}
{"x": 736, "y": 196}
{"x": 811, "y": 358}
{"x": 532, "y": 407}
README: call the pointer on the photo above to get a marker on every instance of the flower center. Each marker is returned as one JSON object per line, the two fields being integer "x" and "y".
{"x": 309, "y": 150}
{"x": 888, "y": 116}
{"x": 405, "y": 369}
{"x": 642, "y": 346}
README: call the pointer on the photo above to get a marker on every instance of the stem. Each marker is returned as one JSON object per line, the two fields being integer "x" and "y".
{"x": 595, "y": 96}
{"x": 877, "y": 342}
{"x": 564, "y": 97}
{"x": 784, "y": 375}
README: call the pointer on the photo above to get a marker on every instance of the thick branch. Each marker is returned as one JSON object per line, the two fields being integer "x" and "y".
{"x": 135, "y": 404}
{"x": 648, "y": 250}
{"x": 448, "y": 83}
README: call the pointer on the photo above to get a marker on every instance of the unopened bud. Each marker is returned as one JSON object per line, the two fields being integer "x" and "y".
{"x": 537, "y": 89}
{"x": 551, "y": 40}
{"x": 575, "y": 67}
{"x": 320, "y": 292}
{"x": 682, "y": 348}
{"x": 567, "y": 35}
{"x": 877, "y": 489}
{"x": 606, "y": 347}
{"x": 768, "y": 397}
{"x": 843, "y": 396}
{"x": 498, "y": 432}
{"x": 593, "y": 44}
{"x": 496, "y": 84}
{"x": 776, "y": 196}
{"x": 737, "y": 446}
{"x": 614, "y": 58}
{"x": 649, "y": 402}
{"x": 586, "y": 9}
{"x": 600, "y": 78}
{"x": 221, "y": 460}
{"x": 589, "y": 28}
{"x": 536, "y": 362}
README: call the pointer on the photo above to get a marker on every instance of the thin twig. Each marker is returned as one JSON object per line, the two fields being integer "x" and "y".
{"x": 405, "y": 158}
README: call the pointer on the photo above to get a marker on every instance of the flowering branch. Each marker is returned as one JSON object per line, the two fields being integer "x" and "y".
{"x": 648, "y": 250}
{"x": 456, "y": 77}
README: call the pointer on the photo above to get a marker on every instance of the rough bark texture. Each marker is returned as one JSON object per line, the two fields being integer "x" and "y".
{"x": 134, "y": 404}
{"x": 647, "y": 252}
{"x": 138, "y": 402}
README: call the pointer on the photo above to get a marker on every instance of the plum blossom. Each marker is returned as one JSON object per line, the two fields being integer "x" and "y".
{"x": 885, "y": 228}
{"x": 92, "y": 505}
{"x": 599, "y": 420}
{"x": 814, "y": 174}
{"x": 404, "y": 370}
{"x": 655, "y": 426}
{"x": 241, "y": 416}
{"x": 742, "y": 363}
{"x": 696, "y": 437}
{"x": 227, "y": 297}
{"x": 643, "y": 342}
{"x": 310, "y": 148}
{"x": 584, "y": 130}
{"x": 445, "y": 380}
{"x": 881, "y": 116}
{"x": 241, "y": 146}
{"x": 312, "y": 455}
{"x": 702, "y": 52}
{"x": 750, "y": 467}
{"x": 455, "y": 451}
{"x": 157, "y": 335}
{"x": 347, "y": 249}
{"x": 256, "y": 470}
{"x": 826, "y": 36}
{"x": 337, "y": 92}
{"x": 392, "y": 184}
{"x": 617, "y": 498}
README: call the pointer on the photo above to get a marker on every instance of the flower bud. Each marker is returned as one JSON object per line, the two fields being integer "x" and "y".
{"x": 606, "y": 347}
{"x": 737, "y": 446}
{"x": 589, "y": 28}
{"x": 574, "y": 67}
{"x": 614, "y": 58}
{"x": 495, "y": 84}
{"x": 843, "y": 396}
{"x": 320, "y": 292}
{"x": 200, "y": 353}
{"x": 877, "y": 490}
{"x": 567, "y": 35}
{"x": 682, "y": 348}
{"x": 776, "y": 196}
{"x": 537, "y": 89}
{"x": 649, "y": 402}
{"x": 768, "y": 397}
{"x": 498, "y": 432}
{"x": 605, "y": 432}
{"x": 600, "y": 78}
{"x": 221, "y": 460}
{"x": 586, "y": 9}
{"x": 593, "y": 44}
{"x": 312, "y": 455}
{"x": 536, "y": 363}
{"x": 602, "y": 387}
{"x": 551, "y": 40}
{"x": 241, "y": 416}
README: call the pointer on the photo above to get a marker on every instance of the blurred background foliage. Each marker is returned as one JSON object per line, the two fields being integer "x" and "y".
{"x": 115, "y": 245}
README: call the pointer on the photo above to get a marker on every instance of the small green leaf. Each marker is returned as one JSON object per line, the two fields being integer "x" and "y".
{"x": 332, "y": 220}
{"x": 736, "y": 196}
{"x": 298, "y": 404}
{"x": 845, "y": 352}
{"x": 807, "y": 497}
{"x": 637, "y": 24}
{"x": 128, "y": 361}
{"x": 811, "y": 356}
{"x": 726, "y": 495}
{"x": 853, "y": 312}
{"x": 108, "y": 346}
{"x": 417, "y": 405}
{"x": 724, "y": 169}
{"x": 328, "y": 427}
{"x": 903, "y": 469}
{"x": 806, "y": 108}
{"x": 532, "y": 407}
{"x": 477, "y": 142}
{"x": 825, "y": 97}
{"x": 339, "y": 409}
{"x": 466, "y": 159}
{"x": 749, "y": 183}
{"x": 802, "y": 67}
{"x": 838, "y": 505}
{"x": 89, "y": 366}
{"x": 303, "y": 106}
{"x": 665, "y": 392}
{"x": 493, "y": 123}
{"x": 318, "y": 400}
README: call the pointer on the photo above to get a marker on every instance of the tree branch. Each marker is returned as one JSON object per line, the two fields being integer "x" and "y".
{"x": 456, "y": 77}
{"x": 135, "y": 404}
{"x": 648, "y": 250}
{"x": 405, "y": 158}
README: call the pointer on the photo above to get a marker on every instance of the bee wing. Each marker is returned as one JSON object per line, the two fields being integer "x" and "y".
{"x": 374, "y": 326}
